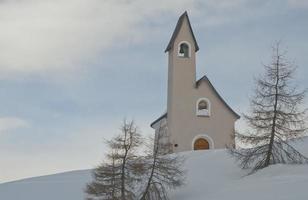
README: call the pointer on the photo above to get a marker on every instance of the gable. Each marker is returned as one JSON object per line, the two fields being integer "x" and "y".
{"x": 207, "y": 81}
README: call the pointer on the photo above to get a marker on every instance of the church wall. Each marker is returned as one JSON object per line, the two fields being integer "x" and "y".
{"x": 219, "y": 126}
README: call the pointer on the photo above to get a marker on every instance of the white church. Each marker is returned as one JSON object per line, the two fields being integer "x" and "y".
{"x": 197, "y": 117}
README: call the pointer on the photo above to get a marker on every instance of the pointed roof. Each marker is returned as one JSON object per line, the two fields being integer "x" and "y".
{"x": 177, "y": 30}
{"x": 205, "y": 78}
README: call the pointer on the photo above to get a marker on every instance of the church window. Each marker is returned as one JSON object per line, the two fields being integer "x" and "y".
{"x": 184, "y": 50}
{"x": 203, "y": 107}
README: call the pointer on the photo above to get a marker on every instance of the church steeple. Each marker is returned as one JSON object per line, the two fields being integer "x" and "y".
{"x": 177, "y": 30}
{"x": 181, "y": 49}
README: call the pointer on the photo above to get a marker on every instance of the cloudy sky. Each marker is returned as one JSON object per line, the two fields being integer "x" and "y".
{"x": 71, "y": 70}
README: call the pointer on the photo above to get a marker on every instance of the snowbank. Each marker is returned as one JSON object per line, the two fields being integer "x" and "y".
{"x": 211, "y": 175}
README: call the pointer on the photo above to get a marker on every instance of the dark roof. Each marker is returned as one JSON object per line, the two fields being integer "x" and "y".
{"x": 178, "y": 28}
{"x": 157, "y": 120}
{"x": 204, "y": 78}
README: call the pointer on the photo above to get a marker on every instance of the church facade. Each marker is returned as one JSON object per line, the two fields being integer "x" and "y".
{"x": 197, "y": 117}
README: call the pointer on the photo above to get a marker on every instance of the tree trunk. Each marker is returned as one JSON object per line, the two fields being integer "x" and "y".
{"x": 123, "y": 169}
{"x": 272, "y": 139}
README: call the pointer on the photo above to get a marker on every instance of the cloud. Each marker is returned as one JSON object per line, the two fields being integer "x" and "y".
{"x": 65, "y": 35}
{"x": 11, "y": 123}
{"x": 53, "y": 35}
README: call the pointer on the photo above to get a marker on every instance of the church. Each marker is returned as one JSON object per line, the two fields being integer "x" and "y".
{"x": 197, "y": 117}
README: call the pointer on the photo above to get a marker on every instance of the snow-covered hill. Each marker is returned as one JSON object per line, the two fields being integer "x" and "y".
{"x": 211, "y": 175}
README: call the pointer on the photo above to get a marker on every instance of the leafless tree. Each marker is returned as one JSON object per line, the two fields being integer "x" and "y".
{"x": 106, "y": 181}
{"x": 116, "y": 178}
{"x": 131, "y": 172}
{"x": 276, "y": 117}
{"x": 163, "y": 171}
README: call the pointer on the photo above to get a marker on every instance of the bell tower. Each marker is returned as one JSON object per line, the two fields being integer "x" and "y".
{"x": 181, "y": 50}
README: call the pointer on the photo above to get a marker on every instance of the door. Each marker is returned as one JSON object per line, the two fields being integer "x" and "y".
{"x": 201, "y": 144}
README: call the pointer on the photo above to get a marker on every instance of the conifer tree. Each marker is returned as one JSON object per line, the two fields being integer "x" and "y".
{"x": 276, "y": 117}
{"x": 115, "y": 179}
{"x": 106, "y": 181}
{"x": 131, "y": 173}
{"x": 163, "y": 171}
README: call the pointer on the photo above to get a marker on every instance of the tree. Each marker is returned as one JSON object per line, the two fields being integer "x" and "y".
{"x": 163, "y": 171}
{"x": 275, "y": 118}
{"x": 116, "y": 178}
{"x": 130, "y": 173}
{"x": 106, "y": 181}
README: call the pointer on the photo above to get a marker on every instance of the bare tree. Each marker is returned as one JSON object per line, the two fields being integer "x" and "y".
{"x": 106, "y": 184}
{"x": 130, "y": 172}
{"x": 116, "y": 179}
{"x": 163, "y": 171}
{"x": 275, "y": 118}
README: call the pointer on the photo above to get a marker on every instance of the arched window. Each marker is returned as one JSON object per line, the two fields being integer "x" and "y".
{"x": 184, "y": 50}
{"x": 203, "y": 107}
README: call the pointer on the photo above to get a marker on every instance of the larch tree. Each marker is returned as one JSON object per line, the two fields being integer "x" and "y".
{"x": 106, "y": 184}
{"x": 115, "y": 179}
{"x": 276, "y": 117}
{"x": 163, "y": 171}
{"x": 136, "y": 170}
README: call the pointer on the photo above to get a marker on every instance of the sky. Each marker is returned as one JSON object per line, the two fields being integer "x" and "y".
{"x": 72, "y": 70}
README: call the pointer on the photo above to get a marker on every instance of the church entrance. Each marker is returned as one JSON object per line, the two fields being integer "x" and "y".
{"x": 201, "y": 144}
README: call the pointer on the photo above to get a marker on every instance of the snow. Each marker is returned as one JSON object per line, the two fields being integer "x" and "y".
{"x": 64, "y": 186}
{"x": 211, "y": 175}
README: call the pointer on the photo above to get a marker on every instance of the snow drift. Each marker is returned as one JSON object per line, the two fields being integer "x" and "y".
{"x": 211, "y": 175}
